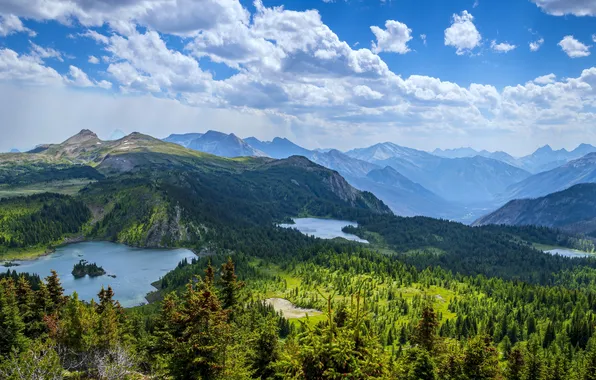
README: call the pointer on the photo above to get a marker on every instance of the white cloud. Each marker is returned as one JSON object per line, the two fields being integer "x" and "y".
{"x": 594, "y": 37}
{"x": 423, "y": 38}
{"x": 93, "y": 59}
{"x": 26, "y": 69}
{"x": 45, "y": 53}
{"x": 462, "y": 34}
{"x": 567, "y": 7}
{"x": 10, "y": 24}
{"x": 146, "y": 55}
{"x": 546, "y": 79}
{"x": 502, "y": 47}
{"x": 99, "y": 38}
{"x": 535, "y": 45}
{"x": 393, "y": 39}
{"x": 292, "y": 71}
{"x": 78, "y": 78}
{"x": 573, "y": 48}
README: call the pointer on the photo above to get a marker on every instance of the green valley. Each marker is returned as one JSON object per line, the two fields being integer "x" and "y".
{"x": 427, "y": 299}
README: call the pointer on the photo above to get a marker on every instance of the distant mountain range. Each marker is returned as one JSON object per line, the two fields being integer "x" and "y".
{"x": 543, "y": 159}
{"x": 581, "y": 170}
{"x": 406, "y": 197}
{"x": 278, "y": 148}
{"x": 454, "y": 184}
{"x": 406, "y": 173}
{"x": 217, "y": 143}
{"x": 573, "y": 210}
{"x": 469, "y": 179}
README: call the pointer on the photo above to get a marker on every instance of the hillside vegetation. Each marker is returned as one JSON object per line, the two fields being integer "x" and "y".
{"x": 427, "y": 299}
{"x": 572, "y": 210}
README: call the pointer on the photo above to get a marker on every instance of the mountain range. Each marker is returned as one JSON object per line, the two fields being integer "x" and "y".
{"x": 573, "y": 210}
{"x": 581, "y": 170}
{"x": 405, "y": 198}
{"x": 457, "y": 184}
{"x": 543, "y": 159}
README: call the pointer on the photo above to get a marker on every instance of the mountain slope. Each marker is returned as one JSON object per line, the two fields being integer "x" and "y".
{"x": 344, "y": 164}
{"x": 467, "y": 180}
{"x": 545, "y": 158}
{"x": 404, "y": 197}
{"x": 182, "y": 139}
{"x": 278, "y": 147}
{"x": 573, "y": 210}
{"x": 159, "y": 194}
{"x": 582, "y": 170}
{"x": 223, "y": 145}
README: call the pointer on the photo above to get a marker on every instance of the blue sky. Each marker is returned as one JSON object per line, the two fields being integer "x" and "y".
{"x": 345, "y": 74}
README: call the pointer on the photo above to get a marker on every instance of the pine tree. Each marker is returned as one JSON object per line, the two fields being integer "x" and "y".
{"x": 590, "y": 366}
{"x": 56, "y": 291}
{"x": 420, "y": 365}
{"x": 426, "y": 330}
{"x": 480, "y": 359}
{"x": 549, "y": 335}
{"x": 534, "y": 359}
{"x": 194, "y": 332}
{"x": 230, "y": 285}
{"x": 515, "y": 365}
{"x": 12, "y": 327}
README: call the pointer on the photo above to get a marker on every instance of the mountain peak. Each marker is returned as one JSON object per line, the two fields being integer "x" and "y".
{"x": 83, "y": 136}
{"x": 544, "y": 149}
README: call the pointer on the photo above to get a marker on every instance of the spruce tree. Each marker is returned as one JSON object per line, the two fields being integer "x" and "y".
{"x": 426, "y": 330}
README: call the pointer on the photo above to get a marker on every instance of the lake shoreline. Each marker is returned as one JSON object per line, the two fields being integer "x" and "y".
{"x": 135, "y": 271}
{"x": 39, "y": 252}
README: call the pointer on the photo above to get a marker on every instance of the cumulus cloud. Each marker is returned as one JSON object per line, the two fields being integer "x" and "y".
{"x": 573, "y": 48}
{"x": 535, "y": 45}
{"x": 93, "y": 60}
{"x": 290, "y": 70}
{"x": 26, "y": 69}
{"x": 462, "y": 34}
{"x": 546, "y": 79}
{"x": 10, "y": 24}
{"x": 394, "y": 38}
{"x": 502, "y": 47}
{"x": 45, "y": 53}
{"x": 423, "y": 38}
{"x": 78, "y": 78}
{"x": 567, "y": 7}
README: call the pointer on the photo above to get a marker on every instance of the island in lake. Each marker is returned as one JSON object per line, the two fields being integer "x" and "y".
{"x": 84, "y": 268}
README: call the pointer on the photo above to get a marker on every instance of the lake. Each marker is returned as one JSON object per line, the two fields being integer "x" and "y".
{"x": 135, "y": 269}
{"x": 324, "y": 228}
{"x": 569, "y": 253}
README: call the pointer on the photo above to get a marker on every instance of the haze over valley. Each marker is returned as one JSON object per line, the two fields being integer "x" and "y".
{"x": 303, "y": 190}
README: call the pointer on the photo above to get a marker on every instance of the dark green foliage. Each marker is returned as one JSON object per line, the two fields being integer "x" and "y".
{"x": 84, "y": 268}
{"x": 25, "y": 174}
{"x": 39, "y": 220}
{"x": 490, "y": 251}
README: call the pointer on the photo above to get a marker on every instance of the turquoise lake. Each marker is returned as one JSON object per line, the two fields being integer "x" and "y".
{"x": 569, "y": 253}
{"x": 135, "y": 269}
{"x": 324, "y": 228}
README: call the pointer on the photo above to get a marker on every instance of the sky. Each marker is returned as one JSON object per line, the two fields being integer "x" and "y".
{"x": 509, "y": 75}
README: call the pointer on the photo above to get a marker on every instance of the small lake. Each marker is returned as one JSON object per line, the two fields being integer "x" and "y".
{"x": 135, "y": 269}
{"x": 324, "y": 228}
{"x": 569, "y": 253}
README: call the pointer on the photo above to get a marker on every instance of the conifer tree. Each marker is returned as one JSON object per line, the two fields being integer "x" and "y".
{"x": 12, "y": 328}
{"x": 230, "y": 285}
{"x": 426, "y": 330}
{"x": 56, "y": 291}
{"x": 515, "y": 365}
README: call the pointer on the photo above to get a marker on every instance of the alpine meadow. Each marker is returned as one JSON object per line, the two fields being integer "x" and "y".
{"x": 319, "y": 190}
